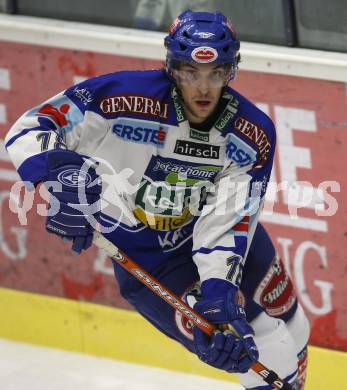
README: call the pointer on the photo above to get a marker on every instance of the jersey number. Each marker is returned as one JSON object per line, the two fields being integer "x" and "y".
{"x": 45, "y": 137}
{"x": 236, "y": 268}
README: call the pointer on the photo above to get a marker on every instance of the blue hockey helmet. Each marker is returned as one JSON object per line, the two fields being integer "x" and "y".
{"x": 201, "y": 37}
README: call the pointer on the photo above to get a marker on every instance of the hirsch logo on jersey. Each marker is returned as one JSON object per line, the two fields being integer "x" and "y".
{"x": 239, "y": 151}
{"x": 194, "y": 149}
{"x": 171, "y": 191}
{"x": 257, "y": 136}
{"x": 204, "y": 54}
{"x": 74, "y": 178}
{"x": 140, "y": 132}
{"x": 134, "y": 104}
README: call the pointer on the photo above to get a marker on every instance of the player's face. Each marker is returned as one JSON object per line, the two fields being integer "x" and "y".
{"x": 201, "y": 86}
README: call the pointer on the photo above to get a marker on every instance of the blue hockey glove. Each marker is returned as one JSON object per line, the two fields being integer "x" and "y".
{"x": 232, "y": 350}
{"x": 72, "y": 193}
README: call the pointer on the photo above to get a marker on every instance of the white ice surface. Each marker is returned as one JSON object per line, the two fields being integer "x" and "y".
{"x": 28, "y": 367}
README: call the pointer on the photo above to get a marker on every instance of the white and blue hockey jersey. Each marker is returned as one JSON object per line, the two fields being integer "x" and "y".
{"x": 168, "y": 189}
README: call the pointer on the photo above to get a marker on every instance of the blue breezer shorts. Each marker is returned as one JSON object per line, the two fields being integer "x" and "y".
{"x": 180, "y": 275}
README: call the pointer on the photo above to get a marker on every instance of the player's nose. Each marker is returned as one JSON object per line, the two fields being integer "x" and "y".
{"x": 203, "y": 86}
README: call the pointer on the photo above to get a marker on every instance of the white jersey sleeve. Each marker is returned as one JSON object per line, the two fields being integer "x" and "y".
{"x": 224, "y": 230}
{"x": 60, "y": 122}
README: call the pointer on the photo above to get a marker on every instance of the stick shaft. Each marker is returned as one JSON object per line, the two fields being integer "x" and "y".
{"x": 172, "y": 299}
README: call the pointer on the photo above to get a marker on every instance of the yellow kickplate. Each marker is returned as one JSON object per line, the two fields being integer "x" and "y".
{"x": 124, "y": 335}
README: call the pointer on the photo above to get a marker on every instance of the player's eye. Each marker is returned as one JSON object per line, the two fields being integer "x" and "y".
{"x": 218, "y": 74}
{"x": 190, "y": 74}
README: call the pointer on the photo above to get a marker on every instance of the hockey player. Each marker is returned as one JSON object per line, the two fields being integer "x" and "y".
{"x": 184, "y": 161}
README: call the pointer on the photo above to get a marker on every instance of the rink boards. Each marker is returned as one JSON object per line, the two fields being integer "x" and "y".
{"x": 124, "y": 335}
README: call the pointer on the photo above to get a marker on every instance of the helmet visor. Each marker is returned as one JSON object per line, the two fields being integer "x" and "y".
{"x": 214, "y": 78}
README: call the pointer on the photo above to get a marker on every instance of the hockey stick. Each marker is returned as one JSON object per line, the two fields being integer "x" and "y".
{"x": 172, "y": 299}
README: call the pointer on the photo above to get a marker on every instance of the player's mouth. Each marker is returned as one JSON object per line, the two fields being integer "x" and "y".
{"x": 202, "y": 103}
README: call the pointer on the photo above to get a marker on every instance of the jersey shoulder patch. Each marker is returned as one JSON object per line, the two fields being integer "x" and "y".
{"x": 127, "y": 93}
{"x": 251, "y": 135}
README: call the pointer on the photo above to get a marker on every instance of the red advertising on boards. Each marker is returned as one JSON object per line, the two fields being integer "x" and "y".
{"x": 305, "y": 212}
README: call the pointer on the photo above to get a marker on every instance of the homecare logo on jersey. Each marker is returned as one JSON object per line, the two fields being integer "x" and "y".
{"x": 176, "y": 171}
{"x": 140, "y": 131}
{"x": 240, "y": 152}
{"x": 171, "y": 192}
